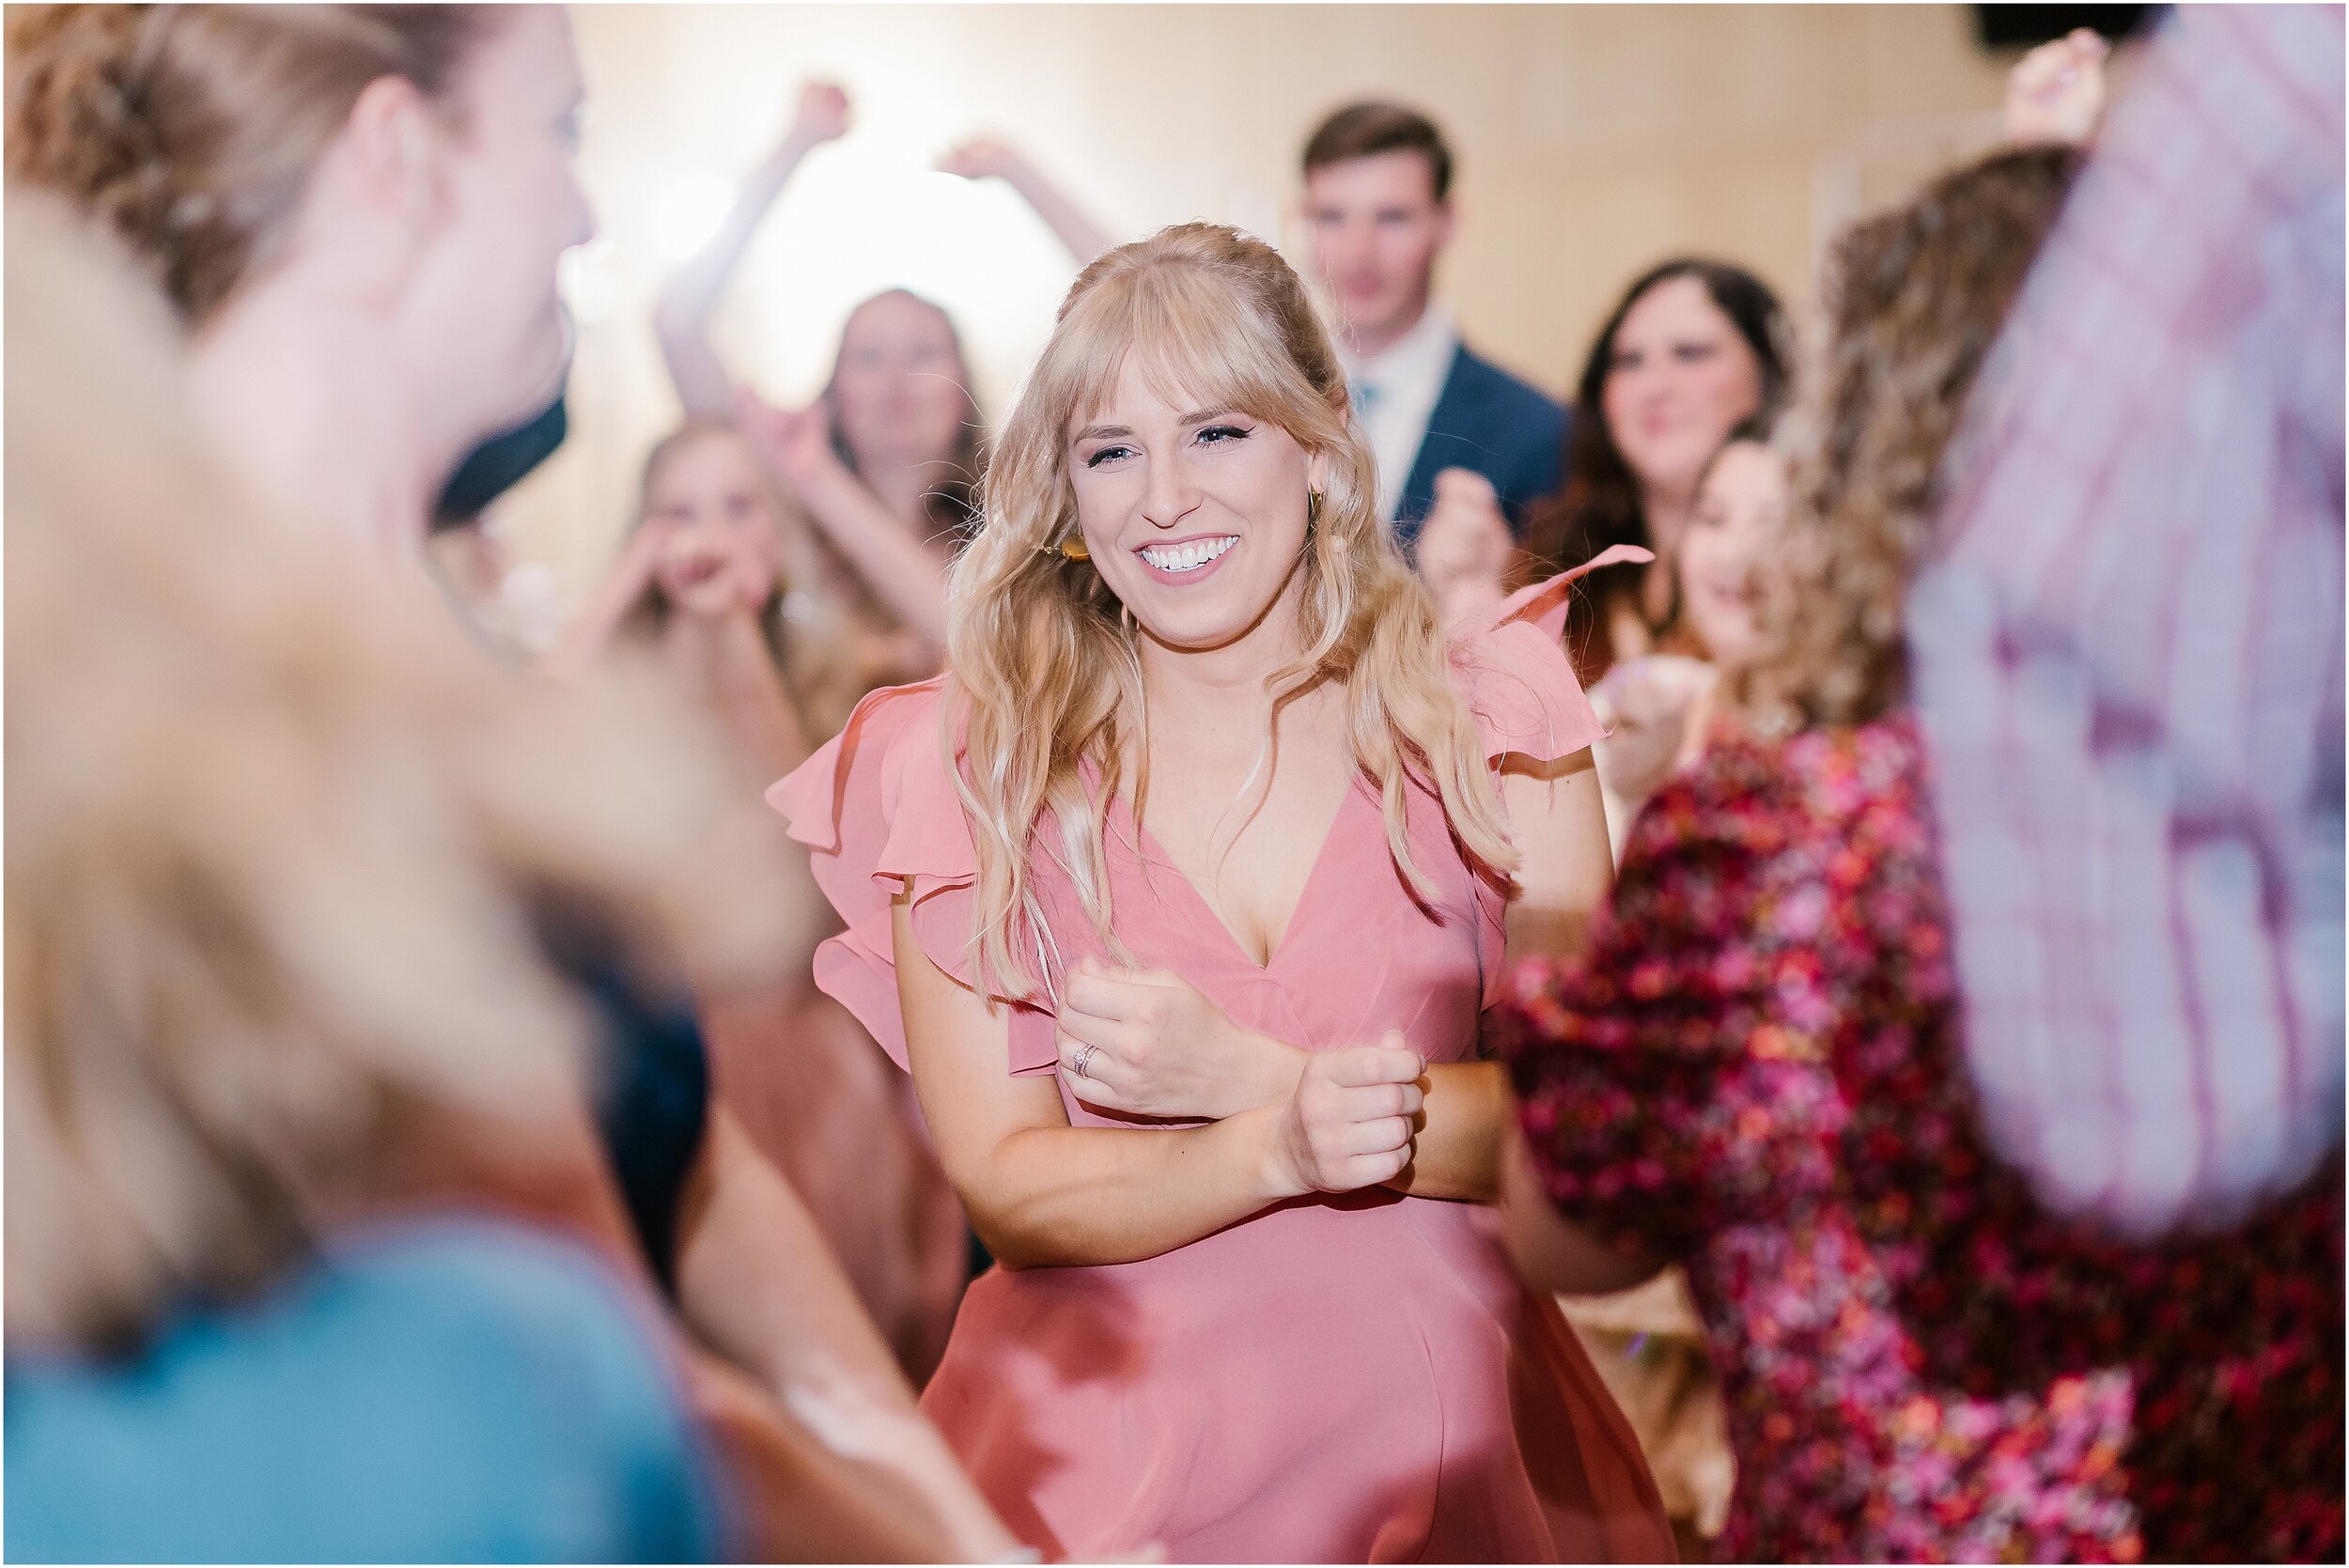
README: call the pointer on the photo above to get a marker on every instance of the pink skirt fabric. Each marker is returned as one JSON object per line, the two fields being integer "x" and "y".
{"x": 1325, "y": 1383}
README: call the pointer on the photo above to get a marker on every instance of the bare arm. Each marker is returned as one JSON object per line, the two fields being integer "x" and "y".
{"x": 1565, "y": 870}
{"x": 1552, "y": 1251}
{"x": 681, "y": 316}
{"x": 592, "y": 629}
{"x": 1042, "y": 1193}
{"x": 758, "y": 1284}
{"x": 1073, "y": 226}
{"x": 726, "y": 658}
{"x": 1559, "y": 828}
{"x": 905, "y": 571}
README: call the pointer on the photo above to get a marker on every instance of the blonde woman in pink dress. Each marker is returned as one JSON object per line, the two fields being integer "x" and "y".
{"x": 1181, "y": 896}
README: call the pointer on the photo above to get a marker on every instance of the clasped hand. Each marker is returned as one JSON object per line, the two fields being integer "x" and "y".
{"x": 1153, "y": 1044}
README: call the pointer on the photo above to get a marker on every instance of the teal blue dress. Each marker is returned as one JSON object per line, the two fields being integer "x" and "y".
{"x": 454, "y": 1390}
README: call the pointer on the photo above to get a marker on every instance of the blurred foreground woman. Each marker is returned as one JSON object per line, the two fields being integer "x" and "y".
{"x": 357, "y": 212}
{"x": 261, "y": 946}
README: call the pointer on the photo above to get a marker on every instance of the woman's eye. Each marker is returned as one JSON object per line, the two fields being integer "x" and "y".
{"x": 1108, "y": 454}
{"x": 1691, "y": 353}
{"x": 1215, "y": 435}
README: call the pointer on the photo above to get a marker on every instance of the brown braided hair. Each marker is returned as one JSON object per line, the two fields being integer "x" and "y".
{"x": 191, "y": 130}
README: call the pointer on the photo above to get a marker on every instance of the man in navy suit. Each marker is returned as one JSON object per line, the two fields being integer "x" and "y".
{"x": 1378, "y": 209}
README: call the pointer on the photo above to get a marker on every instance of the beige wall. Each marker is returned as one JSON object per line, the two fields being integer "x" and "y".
{"x": 1592, "y": 139}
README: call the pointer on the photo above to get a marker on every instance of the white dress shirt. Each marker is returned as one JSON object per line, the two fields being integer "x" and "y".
{"x": 1395, "y": 394}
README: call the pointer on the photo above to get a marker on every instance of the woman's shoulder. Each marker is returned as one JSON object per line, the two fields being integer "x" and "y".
{"x": 1513, "y": 672}
{"x": 889, "y": 743}
{"x": 1521, "y": 689}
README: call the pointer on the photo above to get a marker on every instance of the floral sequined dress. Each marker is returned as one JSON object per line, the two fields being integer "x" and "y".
{"x": 1359, "y": 1378}
{"x": 1755, "y": 1071}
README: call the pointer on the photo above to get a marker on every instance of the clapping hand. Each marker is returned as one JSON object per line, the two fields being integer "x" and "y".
{"x": 1464, "y": 545}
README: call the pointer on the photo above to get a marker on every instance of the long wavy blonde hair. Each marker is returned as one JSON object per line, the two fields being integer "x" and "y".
{"x": 1046, "y": 678}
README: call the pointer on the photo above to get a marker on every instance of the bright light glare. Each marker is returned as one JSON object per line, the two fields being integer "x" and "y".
{"x": 688, "y": 213}
{"x": 871, "y": 214}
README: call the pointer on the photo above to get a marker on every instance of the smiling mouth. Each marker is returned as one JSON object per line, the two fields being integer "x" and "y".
{"x": 1187, "y": 557}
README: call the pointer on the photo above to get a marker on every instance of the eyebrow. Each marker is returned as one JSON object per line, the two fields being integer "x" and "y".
{"x": 1107, "y": 432}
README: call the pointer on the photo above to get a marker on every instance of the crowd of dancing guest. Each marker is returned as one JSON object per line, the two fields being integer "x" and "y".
{"x": 1780, "y": 891}
{"x": 1301, "y": 844}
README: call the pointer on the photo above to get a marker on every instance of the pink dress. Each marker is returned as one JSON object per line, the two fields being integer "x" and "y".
{"x": 1339, "y": 1379}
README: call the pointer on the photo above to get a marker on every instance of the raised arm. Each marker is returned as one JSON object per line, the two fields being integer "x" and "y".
{"x": 983, "y": 159}
{"x": 1042, "y": 1193}
{"x": 681, "y": 316}
{"x": 905, "y": 572}
{"x": 608, "y": 607}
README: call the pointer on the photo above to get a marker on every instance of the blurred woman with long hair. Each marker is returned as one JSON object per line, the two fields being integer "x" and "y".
{"x": 1917, "y": 1363}
{"x": 356, "y": 213}
{"x": 244, "y": 996}
{"x": 885, "y": 462}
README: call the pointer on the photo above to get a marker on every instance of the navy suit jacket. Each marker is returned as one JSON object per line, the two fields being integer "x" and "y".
{"x": 1486, "y": 420}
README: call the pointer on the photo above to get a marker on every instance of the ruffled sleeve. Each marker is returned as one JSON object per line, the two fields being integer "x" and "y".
{"x": 1516, "y": 675}
{"x": 876, "y": 809}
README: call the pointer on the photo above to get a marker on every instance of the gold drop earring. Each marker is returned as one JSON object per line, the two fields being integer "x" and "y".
{"x": 1312, "y": 507}
{"x": 1073, "y": 548}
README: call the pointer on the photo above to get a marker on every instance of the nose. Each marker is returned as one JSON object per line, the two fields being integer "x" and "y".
{"x": 1650, "y": 385}
{"x": 1170, "y": 496}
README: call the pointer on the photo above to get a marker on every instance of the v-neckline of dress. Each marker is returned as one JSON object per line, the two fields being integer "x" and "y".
{"x": 1145, "y": 843}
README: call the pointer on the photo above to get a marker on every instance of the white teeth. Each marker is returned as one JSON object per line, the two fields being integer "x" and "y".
{"x": 1188, "y": 557}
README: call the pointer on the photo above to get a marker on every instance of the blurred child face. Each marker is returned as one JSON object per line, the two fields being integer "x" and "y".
{"x": 713, "y": 519}
{"x": 1679, "y": 378}
{"x": 1729, "y": 558}
{"x": 898, "y": 393}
